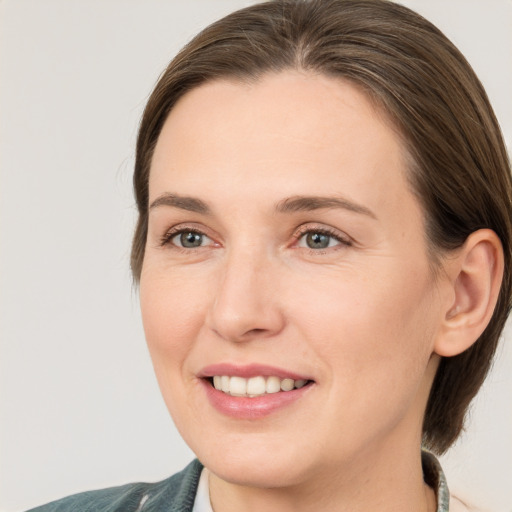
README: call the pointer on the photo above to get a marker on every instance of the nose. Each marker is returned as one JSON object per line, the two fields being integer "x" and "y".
{"x": 245, "y": 304}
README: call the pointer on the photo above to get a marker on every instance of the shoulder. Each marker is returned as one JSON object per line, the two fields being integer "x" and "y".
{"x": 174, "y": 494}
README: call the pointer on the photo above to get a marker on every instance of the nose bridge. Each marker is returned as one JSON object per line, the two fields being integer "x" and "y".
{"x": 245, "y": 303}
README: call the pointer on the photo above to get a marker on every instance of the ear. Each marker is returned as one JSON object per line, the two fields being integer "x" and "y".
{"x": 475, "y": 276}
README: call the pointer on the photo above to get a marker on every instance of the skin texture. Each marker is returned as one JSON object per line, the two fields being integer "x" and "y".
{"x": 363, "y": 317}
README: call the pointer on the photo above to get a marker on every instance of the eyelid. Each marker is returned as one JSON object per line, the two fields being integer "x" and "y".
{"x": 338, "y": 235}
{"x": 204, "y": 239}
{"x": 169, "y": 234}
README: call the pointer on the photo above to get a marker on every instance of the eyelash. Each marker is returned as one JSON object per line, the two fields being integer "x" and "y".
{"x": 331, "y": 233}
{"x": 171, "y": 233}
{"x": 166, "y": 239}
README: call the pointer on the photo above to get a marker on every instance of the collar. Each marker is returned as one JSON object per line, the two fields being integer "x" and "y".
{"x": 432, "y": 473}
{"x": 434, "y": 476}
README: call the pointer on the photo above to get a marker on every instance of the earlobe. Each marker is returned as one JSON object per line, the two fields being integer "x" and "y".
{"x": 475, "y": 275}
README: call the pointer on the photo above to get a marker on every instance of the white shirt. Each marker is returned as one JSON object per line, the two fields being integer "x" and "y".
{"x": 202, "y": 502}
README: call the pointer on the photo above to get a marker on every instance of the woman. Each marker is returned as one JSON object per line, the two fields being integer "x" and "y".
{"x": 323, "y": 248}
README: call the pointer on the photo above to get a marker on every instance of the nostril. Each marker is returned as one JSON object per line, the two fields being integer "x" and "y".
{"x": 256, "y": 331}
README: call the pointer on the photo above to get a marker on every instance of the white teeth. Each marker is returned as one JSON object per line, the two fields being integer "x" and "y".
{"x": 224, "y": 383}
{"x": 238, "y": 386}
{"x": 273, "y": 385}
{"x": 255, "y": 386}
{"x": 287, "y": 384}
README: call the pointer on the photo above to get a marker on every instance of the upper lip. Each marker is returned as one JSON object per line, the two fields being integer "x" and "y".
{"x": 249, "y": 370}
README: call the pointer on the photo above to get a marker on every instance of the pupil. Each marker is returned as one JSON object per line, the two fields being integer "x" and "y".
{"x": 317, "y": 241}
{"x": 191, "y": 239}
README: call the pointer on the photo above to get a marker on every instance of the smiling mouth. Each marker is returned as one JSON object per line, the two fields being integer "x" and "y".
{"x": 255, "y": 386}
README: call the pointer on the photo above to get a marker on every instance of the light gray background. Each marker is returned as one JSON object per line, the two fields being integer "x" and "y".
{"x": 80, "y": 408}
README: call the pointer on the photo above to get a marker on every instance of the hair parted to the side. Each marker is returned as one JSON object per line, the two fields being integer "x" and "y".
{"x": 459, "y": 166}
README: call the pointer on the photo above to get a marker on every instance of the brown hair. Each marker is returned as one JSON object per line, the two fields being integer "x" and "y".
{"x": 460, "y": 170}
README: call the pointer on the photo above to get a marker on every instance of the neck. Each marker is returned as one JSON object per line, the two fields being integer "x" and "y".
{"x": 380, "y": 483}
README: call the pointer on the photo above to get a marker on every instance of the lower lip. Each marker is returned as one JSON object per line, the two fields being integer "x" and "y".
{"x": 242, "y": 407}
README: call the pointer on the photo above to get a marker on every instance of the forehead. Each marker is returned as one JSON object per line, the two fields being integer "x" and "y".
{"x": 284, "y": 133}
{"x": 306, "y": 108}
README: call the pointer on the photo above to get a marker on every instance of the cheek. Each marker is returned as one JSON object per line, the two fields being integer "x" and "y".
{"x": 374, "y": 340}
{"x": 380, "y": 301}
{"x": 376, "y": 331}
{"x": 172, "y": 313}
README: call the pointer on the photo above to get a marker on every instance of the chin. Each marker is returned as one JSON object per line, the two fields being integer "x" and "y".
{"x": 252, "y": 460}
{"x": 254, "y": 472}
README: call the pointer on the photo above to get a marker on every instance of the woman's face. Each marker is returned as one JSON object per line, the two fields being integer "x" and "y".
{"x": 285, "y": 246}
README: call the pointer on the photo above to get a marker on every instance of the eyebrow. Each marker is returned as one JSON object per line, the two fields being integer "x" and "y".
{"x": 309, "y": 203}
{"x": 190, "y": 204}
{"x": 288, "y": 205}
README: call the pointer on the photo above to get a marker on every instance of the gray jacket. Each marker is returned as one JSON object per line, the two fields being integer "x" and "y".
{"x": 177, "y": 493}
{"x": 174, "y": 494}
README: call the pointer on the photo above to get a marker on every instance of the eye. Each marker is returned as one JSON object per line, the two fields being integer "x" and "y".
{"x": 320, "y": 239}
{"x": 187, "y": 239}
